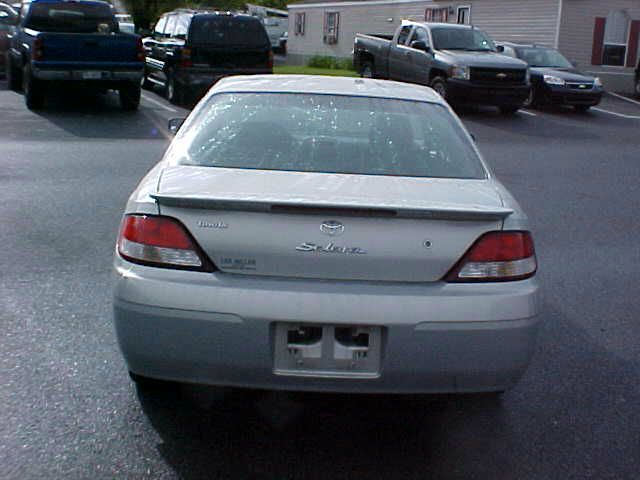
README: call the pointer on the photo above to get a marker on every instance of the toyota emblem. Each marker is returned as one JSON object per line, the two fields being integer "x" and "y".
{"x": 332, "y": 228}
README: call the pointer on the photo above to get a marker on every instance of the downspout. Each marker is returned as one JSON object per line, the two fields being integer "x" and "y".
{"x": 558, "y": 24}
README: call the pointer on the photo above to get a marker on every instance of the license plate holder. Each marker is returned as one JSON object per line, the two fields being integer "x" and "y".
{"x": 327, "y": 351}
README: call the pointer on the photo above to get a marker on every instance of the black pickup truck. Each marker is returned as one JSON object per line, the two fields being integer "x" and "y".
{"x": 460, "y": 62}
{"x": 73, "y": 44}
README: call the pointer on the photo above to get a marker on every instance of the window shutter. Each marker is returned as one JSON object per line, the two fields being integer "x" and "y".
{"x": 634, "y": 35}
{"x": 598, "y": 41}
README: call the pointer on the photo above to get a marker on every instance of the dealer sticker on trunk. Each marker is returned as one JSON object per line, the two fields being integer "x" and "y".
{"x": 230, "y": 263}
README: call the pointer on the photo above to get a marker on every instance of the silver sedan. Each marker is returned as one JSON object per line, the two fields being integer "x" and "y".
{"x": 325, "y": 234}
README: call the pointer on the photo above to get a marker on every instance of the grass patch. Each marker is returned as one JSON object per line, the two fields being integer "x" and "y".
{"x": 303, "y": 70}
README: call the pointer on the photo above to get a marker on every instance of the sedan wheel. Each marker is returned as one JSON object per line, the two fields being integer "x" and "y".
{"x": 530, "y": 102}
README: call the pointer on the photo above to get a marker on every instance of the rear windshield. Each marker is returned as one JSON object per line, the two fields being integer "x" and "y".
{"x": 327, "y": 133}
{"x": 223, "y": 30}
{"x": 70, "y": 17}
{"x": 543, "y": 57}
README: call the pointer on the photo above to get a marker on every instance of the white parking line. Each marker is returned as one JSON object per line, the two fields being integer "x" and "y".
{"x": 160, "y": 104}
{"x": 528, "y": 113}
{"x": 622, "y": 97}
{"x": 616, "y": 114}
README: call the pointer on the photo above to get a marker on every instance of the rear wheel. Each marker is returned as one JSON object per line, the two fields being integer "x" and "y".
{"x": 367, "y": 70}
{"x": 33, "y": 90}
{"x": 130, "y": 97}
{"x": 439, "y": 84}
{"x": 172, "y": 90}
{"x": 144, "y": 81}
{"x": 532, "y": 99}
{"x": 510, "y": 110}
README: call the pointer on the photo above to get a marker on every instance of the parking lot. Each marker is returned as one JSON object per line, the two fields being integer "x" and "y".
{"x": 69, "y": 410}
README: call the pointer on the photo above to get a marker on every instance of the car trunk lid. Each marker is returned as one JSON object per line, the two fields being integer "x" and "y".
{"x": 330, "y": 226}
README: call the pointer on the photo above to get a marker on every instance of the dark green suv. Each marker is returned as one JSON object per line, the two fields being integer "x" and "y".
{"x": 190, "y": 50}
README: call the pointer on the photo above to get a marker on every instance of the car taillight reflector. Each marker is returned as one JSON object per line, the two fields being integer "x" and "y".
{"x": 270, "y": 60}
{"x": 159, "y": 241}
{"x": 186, "y": 61}
{"x": 497, "y": 257}
{"x": 37, "y": 52}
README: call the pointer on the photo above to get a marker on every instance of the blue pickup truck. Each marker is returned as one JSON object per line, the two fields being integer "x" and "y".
{"x": 72, "y": 44}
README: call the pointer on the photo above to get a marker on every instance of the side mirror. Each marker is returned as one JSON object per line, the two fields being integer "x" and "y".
{"x": 500, "y": 48}
{"x": 175, "y": 124}
{"x": 472, "y": 136}
{"x": 420, "y": 45}
{"x": 574, "y": 63}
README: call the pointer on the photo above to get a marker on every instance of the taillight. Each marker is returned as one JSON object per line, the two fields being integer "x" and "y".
{"x": 161, "y": 242}
{"x": 185, "y": 60}
{"x": 497, "y": 257}
{"x": 37, "y": 52}
{"x": 270, "y": 60}
{"x": 140, "y": 50}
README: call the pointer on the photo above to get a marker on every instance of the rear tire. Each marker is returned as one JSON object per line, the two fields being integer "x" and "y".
{"x": 582, "y": 108}
{"x": 439, "y": 84}
{"x": 367, "y": 70}
{"x": 510, "y": 110}
{"x": 172, "y": 90}
{"x": 130, "y": 97}
{"x": 532, "y": 100}
{"x": 144, "y": 82}
{"x": 33, "y": 90}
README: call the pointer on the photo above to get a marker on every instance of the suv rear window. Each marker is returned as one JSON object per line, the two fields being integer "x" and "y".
{"x": 70, "y": 17}
{"x": 328, "y": 134}
{"x": 226, "y": 30}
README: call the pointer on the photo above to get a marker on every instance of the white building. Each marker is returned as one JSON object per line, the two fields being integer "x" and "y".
{"x": 600, "y": 36}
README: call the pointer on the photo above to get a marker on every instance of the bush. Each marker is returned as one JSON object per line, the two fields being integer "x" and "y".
{"x": 330, "y": 63}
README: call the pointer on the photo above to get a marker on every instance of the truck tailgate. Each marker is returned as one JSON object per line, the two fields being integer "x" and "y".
{"x": 91, "y": 47}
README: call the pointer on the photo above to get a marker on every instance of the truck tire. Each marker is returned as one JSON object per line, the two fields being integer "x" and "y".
{"x": 532, "y": 100}
{"x": 13, "y": 75}
{"x": 439, "y": 84}
{"x": 172, "y": 90}
{"x": 33, "y": 90}
{"x": 130, "y": 97}
{"x": 144, "y": 82}
{"x": 366, "y": 71}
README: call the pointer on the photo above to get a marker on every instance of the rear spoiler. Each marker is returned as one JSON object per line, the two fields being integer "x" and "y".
{"x": 329, "y": 209}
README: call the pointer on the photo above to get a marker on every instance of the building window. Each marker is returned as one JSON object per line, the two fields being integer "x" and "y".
{"x": 464, "y": 15}
{"x": 298, "y": 28}
{"x": 616, "y": 35}
{"x": 437, "y": 14}
{"x": 331, "y": 25}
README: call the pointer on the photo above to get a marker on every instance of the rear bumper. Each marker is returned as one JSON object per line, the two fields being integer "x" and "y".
{"x": 218, "y": 329}
{"x": 205, "y": 78}
{"x": 97, "y": 75}
{"x": 463, "y": 92}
